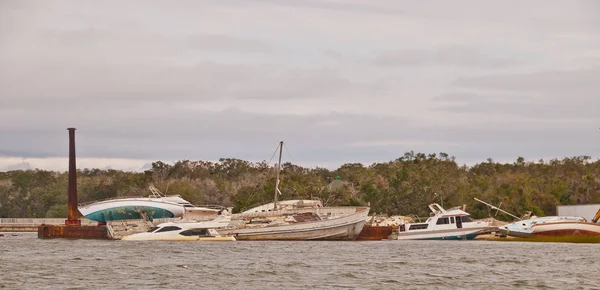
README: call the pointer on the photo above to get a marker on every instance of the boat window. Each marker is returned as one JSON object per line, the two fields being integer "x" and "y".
{"x": 418, "y": 227}
{"x": 451, "y": 219}
{"x": 194, "y": 232}
{"x": 443, "y": 221}
{"x": 152, "y": 229}
{"x": 168, "y": 229}
{"x": 188, "y": 205}
{"x": 465, "y": 219}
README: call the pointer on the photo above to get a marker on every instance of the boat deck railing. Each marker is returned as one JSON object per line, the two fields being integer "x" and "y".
{"x": 211, "y": 206}
{"x": 418, "y": 219}
{"x": 342, "y": 210}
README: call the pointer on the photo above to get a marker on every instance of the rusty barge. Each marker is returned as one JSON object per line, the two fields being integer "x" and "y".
{"x": 72, "y": 229}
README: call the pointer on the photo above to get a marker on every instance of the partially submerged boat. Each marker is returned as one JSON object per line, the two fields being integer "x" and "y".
{"x": 297, "y": 219}
{"x": 155, "y": 206}
{"x": 452, "y": 224}
{"x": 185, "y": 231}
{"x": 555, "y": 226}
{"x": 551, "y": 226}
{"x": 319, "y": 223}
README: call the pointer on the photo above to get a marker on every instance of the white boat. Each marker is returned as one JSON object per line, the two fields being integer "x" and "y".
{"x": 185, "y": 231}
{"x": 286, "y": 204}
{"x": 297, "y": 220}
{"x": 320, "y": 223}
{"x": 452, "y": 224}
{"x": 155, "y": 206}
{"x": 551, "y": 226}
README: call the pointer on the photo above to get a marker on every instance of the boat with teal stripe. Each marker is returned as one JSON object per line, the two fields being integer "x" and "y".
{"x": 155, "y": 206}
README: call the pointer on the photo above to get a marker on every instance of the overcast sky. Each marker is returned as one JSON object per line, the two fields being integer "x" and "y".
{"x": 339, "y": 81}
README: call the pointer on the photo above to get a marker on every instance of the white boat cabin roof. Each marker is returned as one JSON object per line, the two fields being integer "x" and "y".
{"x": 455, "y": 211}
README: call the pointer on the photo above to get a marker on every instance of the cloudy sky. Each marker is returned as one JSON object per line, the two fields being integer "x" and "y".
{"x": 339, "y": 81}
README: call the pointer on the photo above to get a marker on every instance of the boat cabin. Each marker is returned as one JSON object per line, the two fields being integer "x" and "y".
{"x": 443, "y": 219}
{"x": 200, "y": 232}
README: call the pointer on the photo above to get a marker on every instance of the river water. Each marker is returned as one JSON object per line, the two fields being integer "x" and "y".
{"x": 27, "y": 262}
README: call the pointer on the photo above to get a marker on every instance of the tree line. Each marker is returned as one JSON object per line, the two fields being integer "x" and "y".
{"x": 404, "y": 186}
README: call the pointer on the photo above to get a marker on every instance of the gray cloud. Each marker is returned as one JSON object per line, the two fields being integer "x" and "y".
{"x": 339, "y": 81}
{"x": 222, "y": 43}
{"x": 19, "y": 166}
{"x": 110, "y": 86}
{"x": 441, "y": 56}
{"x": 314, "y": 138}
{"x": 549, "y": 94}
{"x": 335, "y": 6}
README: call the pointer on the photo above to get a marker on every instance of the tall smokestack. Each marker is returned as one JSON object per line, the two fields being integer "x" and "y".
{"x": 73, "y": 217}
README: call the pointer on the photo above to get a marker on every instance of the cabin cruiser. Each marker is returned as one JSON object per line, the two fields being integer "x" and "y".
{"x": 452, "y": 224}
{"x": 185, "y": 231}
{"x": 155, "y": 206}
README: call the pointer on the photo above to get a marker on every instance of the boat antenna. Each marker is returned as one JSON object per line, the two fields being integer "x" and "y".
{"x": 277, "y": 192}
{"x": 498, "y": 209}
{"x": 155, "y": 192}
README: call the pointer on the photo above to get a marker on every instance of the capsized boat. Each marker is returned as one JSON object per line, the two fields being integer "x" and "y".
{"x": 155, "y": 206}
{"x": 297, "y": 219}
{"x": 452, "y": 224}
{"x": 551, "y": 226}
{"x": 185, "y": 231}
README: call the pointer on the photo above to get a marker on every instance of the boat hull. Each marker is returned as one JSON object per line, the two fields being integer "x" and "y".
{"x": 375, "y": 233}
{"x": 567, "y": 229}
{"x": 447, "y": 234}
{"x": 128, "y": 209}
{"x": 516, "y": 234}
{"x": 551, "y": 226}
{"x": 346, "y": 227}
{"x": 179, "y": 239}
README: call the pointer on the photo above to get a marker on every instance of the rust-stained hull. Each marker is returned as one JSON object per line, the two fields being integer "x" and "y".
{"x": 374, "y": 233}
{"x": 73, "y": 232}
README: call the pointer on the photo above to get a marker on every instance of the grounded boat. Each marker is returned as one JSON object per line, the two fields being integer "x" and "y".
{"x": 452, "y": 224}
{"x": 320, "y": 223}
{"x": 155, "y": 206}
{"x": 551, "y": 226}
{"x": 375, "y": 233}
{"x": 185, "y": 231}
{"x": 297, "y": 220}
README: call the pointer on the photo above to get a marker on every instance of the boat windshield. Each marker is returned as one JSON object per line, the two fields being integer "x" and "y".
{"x": 465, "y": 219}
{"x": 194, "y": 232}
{"x": 167, "y": 229}
{"x": 418, "y": 227}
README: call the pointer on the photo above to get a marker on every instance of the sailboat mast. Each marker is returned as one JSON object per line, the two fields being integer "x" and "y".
{"x": 277, "y": 180}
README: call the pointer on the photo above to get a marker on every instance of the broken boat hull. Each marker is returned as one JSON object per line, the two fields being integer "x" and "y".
{"x": 346, "y": 227}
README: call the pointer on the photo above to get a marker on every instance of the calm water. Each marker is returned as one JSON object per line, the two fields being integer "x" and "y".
{"x": 27, "y": 262}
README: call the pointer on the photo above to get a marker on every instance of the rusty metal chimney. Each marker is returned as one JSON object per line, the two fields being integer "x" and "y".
{"x": 73, "y": 212}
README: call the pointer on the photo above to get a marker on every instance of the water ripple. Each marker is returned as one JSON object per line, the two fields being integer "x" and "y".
{"x": 28, "y": 262}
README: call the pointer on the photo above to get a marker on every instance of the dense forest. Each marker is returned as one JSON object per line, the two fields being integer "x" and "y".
{"x": 403, "y": 186}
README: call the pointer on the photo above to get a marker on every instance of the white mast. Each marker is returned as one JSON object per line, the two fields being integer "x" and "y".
{"x": 277, "y": 192}
{"x": 496, "y": 208}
